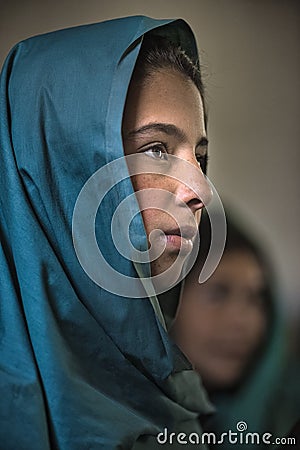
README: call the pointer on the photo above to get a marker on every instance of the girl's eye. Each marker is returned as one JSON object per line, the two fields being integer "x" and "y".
{"x": 157, "y": 152}
{"x": 202, "y": 161}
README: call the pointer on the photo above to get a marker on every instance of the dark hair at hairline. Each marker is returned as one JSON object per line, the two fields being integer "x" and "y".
{"x": 158, "y": 52}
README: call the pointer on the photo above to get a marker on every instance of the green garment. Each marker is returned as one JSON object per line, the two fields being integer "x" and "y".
{"x": 259, "y": 400}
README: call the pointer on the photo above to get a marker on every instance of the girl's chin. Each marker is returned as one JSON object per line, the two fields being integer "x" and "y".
{"x": 166, "y": 271}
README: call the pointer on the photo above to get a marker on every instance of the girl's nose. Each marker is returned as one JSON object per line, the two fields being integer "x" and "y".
{"x": 193, "y": 188}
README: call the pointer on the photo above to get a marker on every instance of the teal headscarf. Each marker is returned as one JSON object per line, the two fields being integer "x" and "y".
{"x": 80, "y": 367}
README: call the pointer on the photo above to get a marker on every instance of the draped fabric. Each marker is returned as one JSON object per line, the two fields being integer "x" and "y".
{"x": 80, "y": 367}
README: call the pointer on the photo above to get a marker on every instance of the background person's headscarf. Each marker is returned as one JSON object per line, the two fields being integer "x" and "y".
{"x": 80, "y": 367}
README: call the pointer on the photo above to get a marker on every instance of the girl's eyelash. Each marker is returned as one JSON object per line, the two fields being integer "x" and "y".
{"x": 157, "y": 150}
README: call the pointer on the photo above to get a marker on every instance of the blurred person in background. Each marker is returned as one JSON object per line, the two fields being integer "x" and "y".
{"x": 232, "y": 330}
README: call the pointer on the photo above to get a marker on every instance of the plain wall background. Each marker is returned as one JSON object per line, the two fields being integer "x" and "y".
{"x": 250, "y": 52}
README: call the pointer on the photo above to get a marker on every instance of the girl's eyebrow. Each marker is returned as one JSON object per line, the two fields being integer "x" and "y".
{"x": 167, "y": 128}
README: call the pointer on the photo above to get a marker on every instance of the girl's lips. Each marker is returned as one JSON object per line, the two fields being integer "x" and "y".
{"x": 173, "y": 240}
{"x": 186, "y": 232}
{"x": 180, "y": 239}
{"x": 179, "y": 243}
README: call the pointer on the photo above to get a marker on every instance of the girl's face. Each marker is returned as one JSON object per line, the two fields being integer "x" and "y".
{"x": 220, "y": 324}
{"x": 163, "y": 118}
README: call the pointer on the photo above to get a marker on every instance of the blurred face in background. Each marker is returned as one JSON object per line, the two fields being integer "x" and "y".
{"x": 220, "y": 324}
